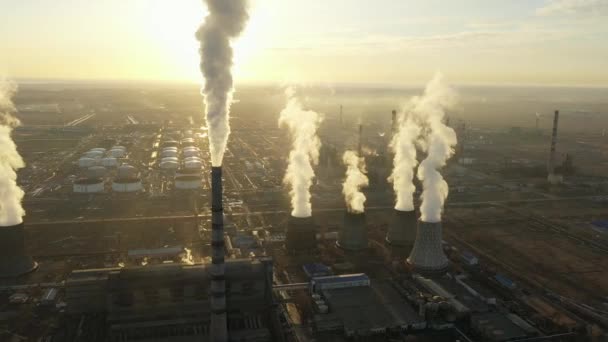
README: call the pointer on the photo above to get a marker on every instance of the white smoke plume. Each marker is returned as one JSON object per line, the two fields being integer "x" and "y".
{"x": 355, "y": 180}
{"x": 226, "y": 21}
{"x": 302, "y": 125}
{"x": 11, "y": 211}
{"x": 439, "y": 142}
{"x": 403, "y": 145}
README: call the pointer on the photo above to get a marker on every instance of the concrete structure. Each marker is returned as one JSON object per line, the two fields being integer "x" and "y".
{"x": 552, "y": 177}
{"x": 353, "y": 235}
{"x": 402, "y": 229}
{"x": 14, "y": 260}
{"x": 427, "y": 255}
{"x": 88, "y": 185}
{"x": 188, "y": 182}
{"x": 300, "y": 234}
{"x": 219, "y": 324}
{"x": 170, "y": 302}
{"x": 127, "y": 184}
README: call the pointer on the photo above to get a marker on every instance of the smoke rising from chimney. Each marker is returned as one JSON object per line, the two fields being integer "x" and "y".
{"x": 302, "y": 125}
{"x": 11, "y": 211}
{"x": 439, "y": 142}
{"x": 403, "y": 145}
{"x": 355, "y": 180}
{"x": 226, "y": 21}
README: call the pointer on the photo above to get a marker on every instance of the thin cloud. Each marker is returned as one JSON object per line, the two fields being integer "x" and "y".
{"x": 574, "y": 8}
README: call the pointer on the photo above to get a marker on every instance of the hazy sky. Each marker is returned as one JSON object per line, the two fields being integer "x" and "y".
{"x": 369, "y": 41}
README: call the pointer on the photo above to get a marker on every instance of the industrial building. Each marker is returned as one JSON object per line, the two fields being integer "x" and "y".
{"x": 171, "y": 301}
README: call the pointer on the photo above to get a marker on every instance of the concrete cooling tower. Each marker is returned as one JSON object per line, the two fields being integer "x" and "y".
{"x": 427, "y": 255}
{"x": 402, "y": 229}
{"x": 353, "y": 235}
{"x": 14, "y": 261}
{"x": 300, "y": 234}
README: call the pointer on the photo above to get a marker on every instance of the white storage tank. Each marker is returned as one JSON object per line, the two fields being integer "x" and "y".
{"x": 100, "y": 149}
{"x": 189, "y": 182}
{"x": 168, "y": 153}
{"x": 126, "y": 171}
{"x": 88, "y": 185}
{"x": 93, "y": 154}
{"x": 127, "y": 185}
{"x": 86, "y": 162}
{"x": 109, "y": 162}
{"x": 187, "y": 172}
{"x": 96, "y": 171}
{"x": 191, "y": 153}
{"x": 193, "y": 164}
{"x": 117, "y": 153}
{"x": 169, "y": 165}
{"x": 119, "y": 147}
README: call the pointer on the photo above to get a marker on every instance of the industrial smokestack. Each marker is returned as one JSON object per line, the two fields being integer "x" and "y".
{"x": 402, "y": 228}
{"x": 353, "y": 235}
{"x": 427, "y": 255}
{"x": 553, "y": 178}
{"x": 304, "y": 154}
{"x": 354, "y": 181}
{"x": 393, "y": 122}
{"x": 226, "y": 21}
{"x": 219, "y": 328}
{"x": 439, "y": 141}
{"x": 360, "y": 146}
{"x": 13, "y": 258}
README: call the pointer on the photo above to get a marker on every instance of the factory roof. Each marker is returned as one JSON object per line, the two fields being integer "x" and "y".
{"x": 364, "y": 310}
{"x": 496, "y": 326}
{"x": 316, "y": 270}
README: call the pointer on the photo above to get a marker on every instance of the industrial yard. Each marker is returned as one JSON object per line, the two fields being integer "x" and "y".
{"x": 118, "y": 200}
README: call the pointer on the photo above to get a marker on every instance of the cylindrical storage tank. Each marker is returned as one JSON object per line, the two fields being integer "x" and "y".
{"x": 187, "y": 172}
{"x": 14, "y": 260}
{"x": 99, "y": 149}
{"x": 93, "y": 154}
{"x": 191, "y": 153}
{"x": 109, "y": 162}
{"x": 427, "y": 255}
{"x": 117, "y": 153}
{"x": 193, "y": 164}
{"x": 88, "y": 185}
{"x": 119, "y": 147}
{"x": 85, "y": 162}
{"x": 169, "y": 165}
{"x": 192, "y": 159}
{"x": 353, "y": 235}
{"x": 168, "y": 153}
{"x": 96, "y": 172}
{"x": 127, "y": 185}
{"x": 188, "y": 182}
{"x": 126, "y": 171}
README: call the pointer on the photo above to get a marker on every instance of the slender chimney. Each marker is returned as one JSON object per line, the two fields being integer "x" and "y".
{"x": 552, "y": 177}
{"x": 394, "y": 123}
{"x": 359, "y": 149}
{"x": 219, "y": 328}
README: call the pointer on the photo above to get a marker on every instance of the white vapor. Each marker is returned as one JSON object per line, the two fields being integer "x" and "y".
{"x": 355, "y": 180}
{"x": 304, "y": 154}
{"x": 11, "y": 211}
{"x": 439, "y": 142}
{"x": 403, "y": 145}
{"x": 226, "y": 21}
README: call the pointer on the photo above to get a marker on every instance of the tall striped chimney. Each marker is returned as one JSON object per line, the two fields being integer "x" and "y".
{"x": 552, "y": 177}
{"x": 219, "y": 327}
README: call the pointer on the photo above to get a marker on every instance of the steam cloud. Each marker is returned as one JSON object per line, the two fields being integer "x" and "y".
{"x": 11, "y": 211}
{"x": 226, "y": 21}
{"x": 439, "y": 142}
{"x": 355, "y": 180}
{"x": 403, "y": 145}
{"x": 304, "y": 154}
